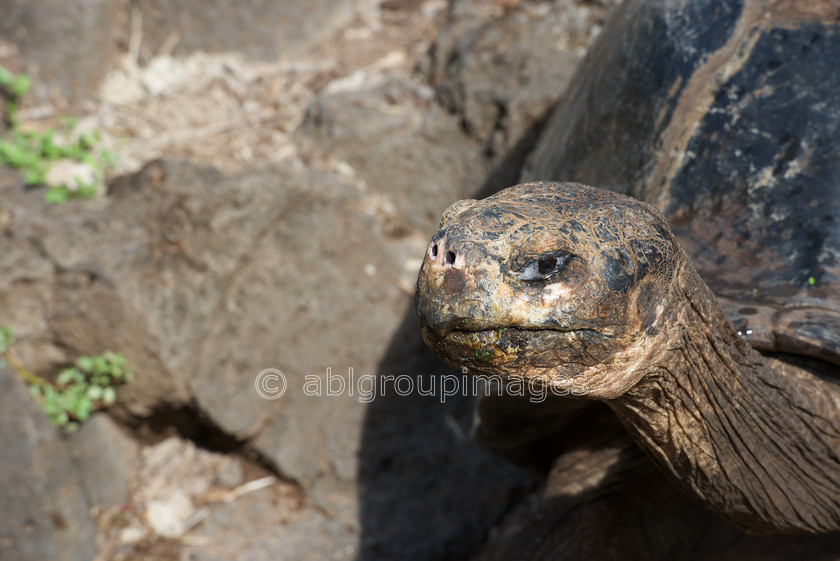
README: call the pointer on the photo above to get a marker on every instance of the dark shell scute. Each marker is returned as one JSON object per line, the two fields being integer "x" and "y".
{"x": 764, "y": 167}
{"x": 659, "y": 49}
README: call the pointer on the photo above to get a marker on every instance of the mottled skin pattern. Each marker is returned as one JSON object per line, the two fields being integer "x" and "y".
{"x": 497, "y": 322}
{"x": 588, "y": 292}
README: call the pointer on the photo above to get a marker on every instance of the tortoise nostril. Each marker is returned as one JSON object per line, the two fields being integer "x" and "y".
{"x": 450, "y": 257}
{"x": 434, "y": 251}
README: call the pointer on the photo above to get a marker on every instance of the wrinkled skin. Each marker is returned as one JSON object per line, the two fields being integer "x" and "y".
{"x": 587, "y": 292}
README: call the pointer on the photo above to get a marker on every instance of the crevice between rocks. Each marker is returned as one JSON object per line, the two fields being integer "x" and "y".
{"x": 188, "y": 422}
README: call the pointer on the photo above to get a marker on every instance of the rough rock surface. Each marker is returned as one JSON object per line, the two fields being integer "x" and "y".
{"x": 256, "y": 28}
{"x": 407, "y": 151}
{"x": 501, "y": 77}
{"x": 86, "y": 30}
{"x": 177, "y": 234}
{"x": 49, "y": 485}
{"x": 92, "y": 34}
{"x": 300, "y": 256}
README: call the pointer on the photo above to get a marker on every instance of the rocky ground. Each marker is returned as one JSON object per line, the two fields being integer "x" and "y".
{"x": 281, "y": 167}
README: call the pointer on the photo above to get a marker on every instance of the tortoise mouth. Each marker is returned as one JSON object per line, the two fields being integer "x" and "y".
{"x": 540, "y": 346}
{"x": 514, "y": 330}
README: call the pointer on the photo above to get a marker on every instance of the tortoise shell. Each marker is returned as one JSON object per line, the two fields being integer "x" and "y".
{"x": 726, "y": 116}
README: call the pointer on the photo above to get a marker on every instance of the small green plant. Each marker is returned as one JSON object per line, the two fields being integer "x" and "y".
{"x": 15, "y": 87}
{"x": 87, "y": 386}
{"x": 82, "y": 388}
{"x": 34, "y": 152}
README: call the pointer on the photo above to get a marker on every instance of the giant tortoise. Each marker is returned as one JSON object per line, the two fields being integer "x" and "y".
{"x": 683, "y": 326}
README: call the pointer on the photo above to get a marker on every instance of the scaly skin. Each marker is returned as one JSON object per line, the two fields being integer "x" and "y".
{"x": 587, "y": 292}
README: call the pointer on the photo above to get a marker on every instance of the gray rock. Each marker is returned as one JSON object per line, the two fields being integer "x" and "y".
{"x": 106, "y": 458}
{"x": 93, "y": 34}
{"x": 258, "y": 29}
{"x": 502, "y": 76}
{"x": 86, "y": 31}
{"x": 315, "y": 290}
{"x": 45, "y": 512}
{"x": 402, "y": 148}
{"x": 203, "y": 281}
{"x": 270, "y": 525}
{"x": 230, "y": 473}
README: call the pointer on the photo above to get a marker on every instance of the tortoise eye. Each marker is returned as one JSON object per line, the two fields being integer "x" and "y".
{"x": 544, "y": 267}
{"x": 546, "y": 264}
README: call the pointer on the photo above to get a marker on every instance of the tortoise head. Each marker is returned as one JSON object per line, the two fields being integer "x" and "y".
{"x": 553, "y": 283}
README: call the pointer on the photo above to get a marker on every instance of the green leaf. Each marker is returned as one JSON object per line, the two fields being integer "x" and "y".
{"x": 85, "y": 363}
{"x": 81, "y": 389}
{"x": 81, "y": 409}
{"x": 20, "y": 85}
{"x": 88, "y": 139}
{"x": 108, "y": 159}
{"x": 7, "y": 337}
{"x": 75, "y": 393}
{"x": 59, "y": 419}
{"x": 84, "y": 190}
{"x": 67, "y": 376}
{"x": 101, "y": 380}
{"x": 31, "y": 152}
{"x": 94, "y": 392}
{"x": 56, "y": 195}
{"x": 99, "y": 365}
{"x": 5, "y": 76}
{"x": 35, "y": 177}
{"x": 49, "y": 150}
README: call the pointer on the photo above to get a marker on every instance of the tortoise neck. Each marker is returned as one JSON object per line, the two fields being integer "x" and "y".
{"x": 758, "y": 445}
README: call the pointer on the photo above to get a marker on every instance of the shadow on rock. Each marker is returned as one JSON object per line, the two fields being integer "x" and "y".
{"x": 427, "y": 492}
